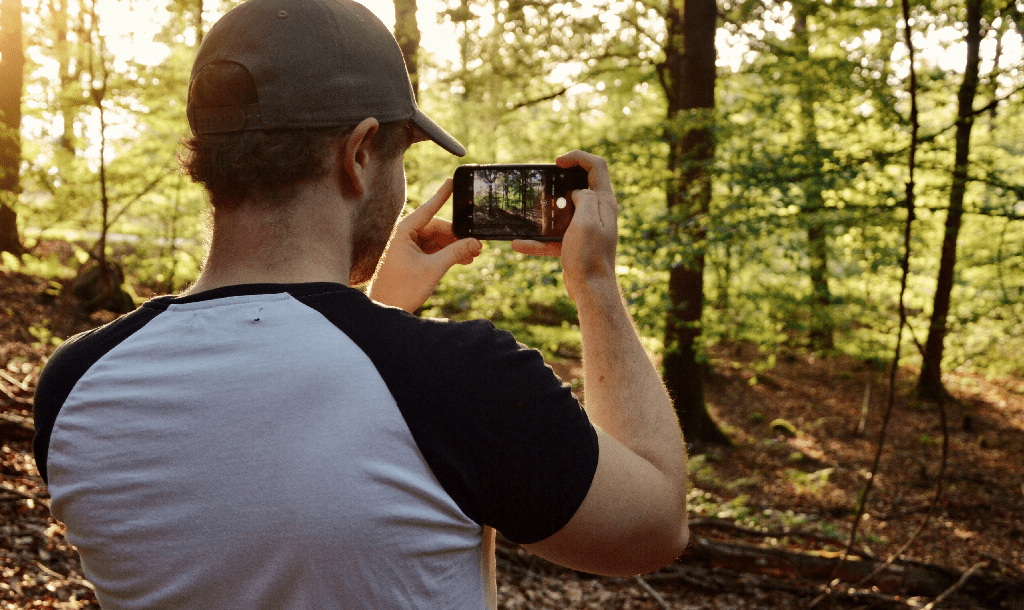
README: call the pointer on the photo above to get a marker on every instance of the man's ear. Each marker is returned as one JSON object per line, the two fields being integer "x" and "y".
{"x": 355, "y": 158}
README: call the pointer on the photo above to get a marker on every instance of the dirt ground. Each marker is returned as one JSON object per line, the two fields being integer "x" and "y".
{"x": 791, "y": 485}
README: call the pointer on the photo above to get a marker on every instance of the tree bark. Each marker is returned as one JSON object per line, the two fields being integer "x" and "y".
{"x": 198, "y": 18}
{"x": 821, "y": 327}
{"x": 12, "y": 70}
{"x": 929, "y": 385}
{"x": 407, "y": 33}
{"x": 688, "y": 78}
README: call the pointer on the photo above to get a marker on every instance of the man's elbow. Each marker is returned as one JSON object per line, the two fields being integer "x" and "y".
{"x": 663, "y": 548}
{"x": 675, "y": 544}
{"x": 683, "y": 539}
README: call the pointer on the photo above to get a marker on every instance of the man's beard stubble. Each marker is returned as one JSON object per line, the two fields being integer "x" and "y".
{"x": 374, "y": 226}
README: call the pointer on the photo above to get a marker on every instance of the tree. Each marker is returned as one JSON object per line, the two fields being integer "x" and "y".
{"x": 929, "y": 385}
{"x": 687, "y": 76}
{"x": 12, "y": 74}
{"x": 821, "y": 327}
{"x": 407, "y": 33}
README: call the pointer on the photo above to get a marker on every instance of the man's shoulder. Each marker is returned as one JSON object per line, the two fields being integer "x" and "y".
{"x": 90, "y": 345}
{"x": 70, "y": 362}
{"x": 366, "y": 320}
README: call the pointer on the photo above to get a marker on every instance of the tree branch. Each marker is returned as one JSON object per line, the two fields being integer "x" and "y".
{"x": 956, "y": 586}
{"x": 539, "y": 100}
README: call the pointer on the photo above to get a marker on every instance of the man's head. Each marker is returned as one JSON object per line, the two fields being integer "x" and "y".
{"x": 313, "y": 64}
{"x": 262, "y": 164}
{"x": 278, "y": 84}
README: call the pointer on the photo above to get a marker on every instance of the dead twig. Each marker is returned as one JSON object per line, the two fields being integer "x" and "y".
{"x": 22, "y": 495}
{"x": 70, "y": 579}
{"x": 20, "y": 427}
{"x": 650, "y": 591}
{"x": 10, "y": 379}
{"x": 956, "y": 586}
{"x": 13, "y": 395}
{"x": 864, "y": 405}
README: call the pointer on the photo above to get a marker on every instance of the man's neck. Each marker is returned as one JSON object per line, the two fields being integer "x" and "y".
{"x": 308, "y": 241}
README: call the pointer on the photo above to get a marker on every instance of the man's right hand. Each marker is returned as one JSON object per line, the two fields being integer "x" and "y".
{"x": 588, "y": 248}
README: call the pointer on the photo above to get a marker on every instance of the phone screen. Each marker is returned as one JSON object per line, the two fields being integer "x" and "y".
{"x": 514, "y": 201}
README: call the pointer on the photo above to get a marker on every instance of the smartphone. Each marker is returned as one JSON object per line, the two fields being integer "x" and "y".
{"x": 516, "y": 201}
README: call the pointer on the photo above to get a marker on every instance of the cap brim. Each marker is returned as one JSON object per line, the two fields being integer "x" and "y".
{"x": 436, "y": 133}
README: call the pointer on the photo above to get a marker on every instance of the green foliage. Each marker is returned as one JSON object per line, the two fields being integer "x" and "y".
{"x": 810, "y": 131}
{"x": 44, "y": 336}
{"x": 813, "y": 483}
{"x": 783, "y": 427}
{"x": 48, "y": 267}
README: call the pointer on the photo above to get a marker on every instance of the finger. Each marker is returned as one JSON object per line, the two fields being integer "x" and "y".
{"x": 422, "y": 215}
{"x": 461, "y": 252}
{"x": 588, "y": 208}
{"x": 537, "y": 248}
{"x": 597, "y": 168}
{"x": 438, "y": 229}
{"x": 436, "y": 235}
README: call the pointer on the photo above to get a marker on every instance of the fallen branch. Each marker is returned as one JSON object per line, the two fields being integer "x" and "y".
{"x": 902, "y": 577}
{"x": 718, "y": 581}
{"x": 699, "y": 524}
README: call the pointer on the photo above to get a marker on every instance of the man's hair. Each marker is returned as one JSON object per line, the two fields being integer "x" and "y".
{"x": 270, "y": 164}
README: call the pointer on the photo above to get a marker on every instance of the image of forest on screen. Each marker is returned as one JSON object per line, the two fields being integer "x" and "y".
{"x": 508, "y": 202}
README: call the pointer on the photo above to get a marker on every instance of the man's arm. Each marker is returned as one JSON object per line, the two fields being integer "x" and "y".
{"x": 634, "y": 516}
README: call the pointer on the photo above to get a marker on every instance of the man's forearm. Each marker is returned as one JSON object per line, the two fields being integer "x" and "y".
{"x": 624, "y": 394}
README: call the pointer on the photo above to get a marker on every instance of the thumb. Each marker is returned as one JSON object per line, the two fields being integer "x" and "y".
{"x": 461, "y": 252}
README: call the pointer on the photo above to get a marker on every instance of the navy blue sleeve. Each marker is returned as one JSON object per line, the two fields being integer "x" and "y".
{"x": 504, "y": 436}
{"x": 68, "y": 364}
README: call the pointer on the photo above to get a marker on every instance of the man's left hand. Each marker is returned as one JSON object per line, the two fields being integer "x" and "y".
{"x": 421, "y": 252}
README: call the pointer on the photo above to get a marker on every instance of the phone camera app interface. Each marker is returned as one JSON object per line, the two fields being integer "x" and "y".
{"x": 526, "y": 202}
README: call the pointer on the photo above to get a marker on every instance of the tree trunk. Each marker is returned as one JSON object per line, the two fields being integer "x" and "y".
{"x": 12, "y": 69}
{"x": 199, "y": 22}
{"x": 688, "y": 78}
{"x": 724, "y": 269}
{"x": 68, "y": 101}
{"x": 929, "y": 385}
{"x": 407, "y": 33}
{"x": 821, "y": 327}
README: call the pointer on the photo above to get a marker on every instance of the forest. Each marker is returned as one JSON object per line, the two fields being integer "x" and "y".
{"x": 821, "y": 243}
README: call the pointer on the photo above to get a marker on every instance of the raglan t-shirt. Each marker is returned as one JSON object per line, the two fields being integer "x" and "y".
{"x": 301, "y": 446}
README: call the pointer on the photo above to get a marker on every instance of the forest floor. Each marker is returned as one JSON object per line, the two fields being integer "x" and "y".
{"x": 783, "y": 497}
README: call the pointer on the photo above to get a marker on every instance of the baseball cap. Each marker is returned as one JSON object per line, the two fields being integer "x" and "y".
{"x": 315, "y": 63}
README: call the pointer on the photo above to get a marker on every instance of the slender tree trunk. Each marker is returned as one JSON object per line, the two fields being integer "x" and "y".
{"x": 407, "y": 33}
{"x": 724, "y": 277}
{"x": 688, "y": 78}
{"x": 66, "y": 98}
{"x": 821, "y": 327}
{"x": 12, "y": 68}
{"x": 929, "y": 386}
{"x": 199, "y": 22}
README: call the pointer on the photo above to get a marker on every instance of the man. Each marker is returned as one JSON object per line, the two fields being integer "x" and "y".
{"x": 273, "y": 438}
